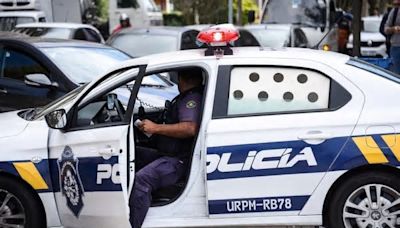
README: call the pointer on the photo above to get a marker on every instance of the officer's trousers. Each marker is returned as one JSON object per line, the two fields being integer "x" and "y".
{"x": 162, "y": 172}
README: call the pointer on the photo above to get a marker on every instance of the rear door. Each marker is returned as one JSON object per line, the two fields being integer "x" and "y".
{"x": 274, "y": 132}
{"x": 91, "y": 158}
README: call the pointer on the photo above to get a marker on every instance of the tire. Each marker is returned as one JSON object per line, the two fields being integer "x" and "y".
{"x": 17, "y": 200}
{"x": 350, "y": 206}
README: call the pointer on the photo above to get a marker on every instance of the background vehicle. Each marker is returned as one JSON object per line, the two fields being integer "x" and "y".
{"x": 37, "y": 71}
{"x": 61, "y": 31}
{"x": 55, "y": 10}
{"x": 144, "y": 41}
{"x": 9, "y": 19}
{"x": 372, "y": 41}
{"x": 142, "y": 13}
{"x": 278, "y": 35}
{"x": 315, "y": 18}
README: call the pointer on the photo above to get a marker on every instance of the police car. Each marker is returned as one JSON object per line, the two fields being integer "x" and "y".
{"x": 287, "y": 137}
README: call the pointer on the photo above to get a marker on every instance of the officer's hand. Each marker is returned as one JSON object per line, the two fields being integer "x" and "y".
{"x": 148, "y": 126}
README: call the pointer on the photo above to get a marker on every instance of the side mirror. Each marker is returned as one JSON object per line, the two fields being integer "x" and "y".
{"x": 57, "y": 119}
{"x": 111, "y": 98}
{"x": 39, "y": 80}
{"x": 251, "y": 16}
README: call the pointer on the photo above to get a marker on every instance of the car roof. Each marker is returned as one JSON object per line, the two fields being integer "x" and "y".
{"x": 269, "y": 26}
{"x": 52, "y": 42}
{"x": 54, "y": 25}
{"x": 159, "y": 30}
{"x": 372, "y": 18}
{"x": 21, "y": 13}
{"x": 240, "y": 52}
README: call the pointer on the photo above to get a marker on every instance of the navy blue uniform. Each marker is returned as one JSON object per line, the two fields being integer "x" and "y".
{"x": 168, "y": 168}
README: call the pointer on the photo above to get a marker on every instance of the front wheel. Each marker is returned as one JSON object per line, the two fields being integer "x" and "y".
{"x": 368, "y": 200}
{"x": 19, "y": 206}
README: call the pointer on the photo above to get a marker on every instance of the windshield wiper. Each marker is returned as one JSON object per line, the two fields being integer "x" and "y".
{"x": 29, "y": 114}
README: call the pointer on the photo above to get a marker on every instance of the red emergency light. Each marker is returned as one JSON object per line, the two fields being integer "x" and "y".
{"x": 218, "y": 37}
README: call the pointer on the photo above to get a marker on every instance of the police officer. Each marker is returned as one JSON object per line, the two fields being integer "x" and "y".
{"x": 174, "y": 142}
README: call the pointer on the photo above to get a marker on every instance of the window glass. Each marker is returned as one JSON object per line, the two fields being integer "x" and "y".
{"x": 268, "y": 90}
{"x": 82, "y": 70}
{"x": 79, "y": 35}
{"x": 8, "y": 23}
{"x": 275, "y": 38}
{"x": 107, "y": 103}
{"x": 92, "y": 35}
{"x": 17, "y": 65}
{"x": 300, "y": 38}
{"x": 305, "y": 12}
{"x": 145, "y": 44}
{"x": 60, "y": 33}
{"x": 246, "y": 39}
{"x": 189, "y": 40}
{"x": 127, "y": 4}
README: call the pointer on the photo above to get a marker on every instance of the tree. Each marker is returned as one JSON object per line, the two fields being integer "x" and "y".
{"x": 211, "y": 11}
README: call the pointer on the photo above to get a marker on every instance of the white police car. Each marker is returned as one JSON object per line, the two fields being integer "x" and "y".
{"x": 287, "y": 137}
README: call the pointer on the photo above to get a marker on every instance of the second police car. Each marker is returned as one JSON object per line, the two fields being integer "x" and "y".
{"x": 287, "y": 137}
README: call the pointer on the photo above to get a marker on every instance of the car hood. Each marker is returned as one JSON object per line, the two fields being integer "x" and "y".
{"x": 11, "y": 124}
{"x": 366, "y": 36}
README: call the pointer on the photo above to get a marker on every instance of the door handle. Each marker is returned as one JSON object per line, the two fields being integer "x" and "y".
{"x": 3, "y": 91}
{"x": 108, "y": 152}
{"x": 315, "y": 135}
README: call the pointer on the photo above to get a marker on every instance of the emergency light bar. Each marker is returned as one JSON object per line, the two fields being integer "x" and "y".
{"x": 218, "y": 39}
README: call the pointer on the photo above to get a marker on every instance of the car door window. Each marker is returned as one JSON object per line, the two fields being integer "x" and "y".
{"x": 189, "y": 40}
{"x": 79, "y": 35}
{"x": 300, "y": 38}
{"x": 271, "y": 90}
{"x": 106, "y": 104}
{"x": 127, "y": 4}
{"x": 92, "y": 35}
{"x": 246, "y": 39}
{"x": 16, "y": 65}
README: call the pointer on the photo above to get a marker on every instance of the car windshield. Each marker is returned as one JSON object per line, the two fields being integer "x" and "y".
{"x": 60, "y": 33}
{"x": 83, "y": 64}
{"x": 305, "y": 12}
{"x": 274, "y": 38}
{"x": 371, "y": 24}
{"x": 145, "y": 44}
{"x": 8, "y": 23}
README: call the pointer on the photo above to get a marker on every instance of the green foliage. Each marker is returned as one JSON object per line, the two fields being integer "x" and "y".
{"x": 102, "y": 9}
{"x": 211, "y": 11}
{"x": 247, "y": 5}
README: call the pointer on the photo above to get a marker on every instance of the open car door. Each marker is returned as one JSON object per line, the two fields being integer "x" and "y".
{"x": 91, "y": 163}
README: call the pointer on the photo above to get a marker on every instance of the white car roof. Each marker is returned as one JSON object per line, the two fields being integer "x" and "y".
{"x": 269, "y": 26}
{"x": 22, "y": 14}
{"x": 372, "y": 18}
{"x": 241, "y": 52}
{"x": 54, "y": 25}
